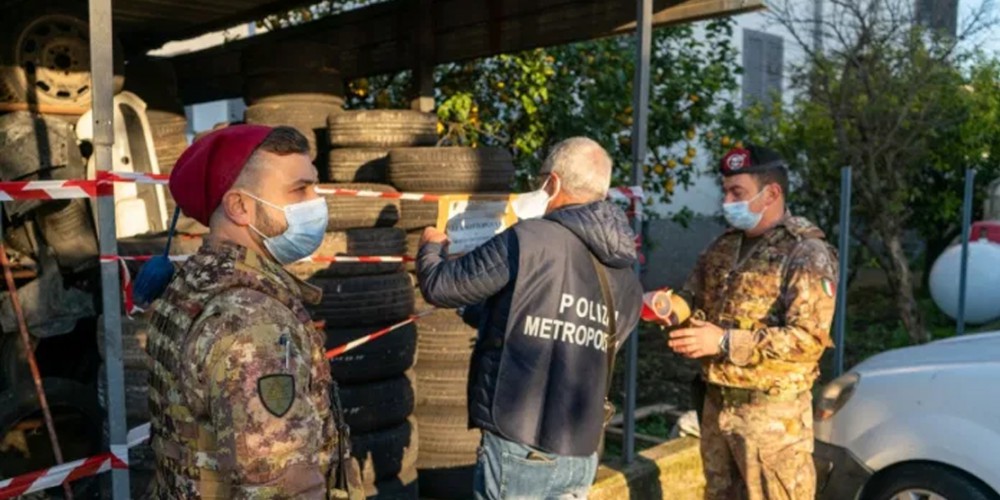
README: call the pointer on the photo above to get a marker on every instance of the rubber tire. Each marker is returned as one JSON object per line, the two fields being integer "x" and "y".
{"x": 417, "y": 215}
{"x": 945, "y": 481}
{"x": 364, "y": 300}
{"x": 383, "y": 128}
{"x": 20, "y": 158}
{"x": 378, "y": 405}
{"x": 358, "y": 165}
{"x": 306, "y": 117}
{"x": 18, "y": 403}
{"x": 68, "y": 229}
{"x": 323, "y": 88}
{"x": 412, "y": 249}
{"x": 451, "y": 170}
{"x": 378, "y": 241}
{"x": 348, "y": 212}
{"x": 379, "y": 359}
{"x": 443, "y": 336}
{"x": 445, "y": 439}
{"x": 442, "y": 384}
{"x": 387, "y": 456}
{"x": 13, "y": 79}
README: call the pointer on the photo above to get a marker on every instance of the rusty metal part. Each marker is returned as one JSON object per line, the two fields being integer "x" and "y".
{"x": 32, "y": 363}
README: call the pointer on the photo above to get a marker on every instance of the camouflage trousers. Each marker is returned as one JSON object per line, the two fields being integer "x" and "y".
{"x": 757, "y": 450}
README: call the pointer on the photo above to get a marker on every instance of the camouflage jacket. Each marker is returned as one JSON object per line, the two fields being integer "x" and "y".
{"x": 240, "y": 388}
{"x": 779, "y": 300}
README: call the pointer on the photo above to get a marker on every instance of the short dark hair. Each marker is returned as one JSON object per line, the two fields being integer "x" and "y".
{"x": 285, "y": 141}
{"x": 777, "y": 176}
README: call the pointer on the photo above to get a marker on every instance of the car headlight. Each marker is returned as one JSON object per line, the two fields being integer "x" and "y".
{"x": 835, "y": 395}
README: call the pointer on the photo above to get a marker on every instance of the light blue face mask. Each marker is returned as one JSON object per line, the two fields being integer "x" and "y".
{"x": 739, "y": 215}
{"x": 306, "y": 227}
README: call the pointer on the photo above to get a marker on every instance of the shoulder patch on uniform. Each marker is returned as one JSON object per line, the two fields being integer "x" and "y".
{"x": 277, "y": 392}
{"x": 829, "y": 288}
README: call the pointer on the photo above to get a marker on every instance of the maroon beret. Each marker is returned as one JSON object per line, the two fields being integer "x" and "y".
{"x": 210, "y": 166}
{"x": 752, "y": 160}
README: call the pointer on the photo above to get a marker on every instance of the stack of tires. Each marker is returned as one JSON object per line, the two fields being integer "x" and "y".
{"x": 376, "y": 384}
{"x": 444, "y": 341}
{"x": 293, "y": 83}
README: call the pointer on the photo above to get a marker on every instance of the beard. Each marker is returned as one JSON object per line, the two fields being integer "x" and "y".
{"x": 266, "y": 224}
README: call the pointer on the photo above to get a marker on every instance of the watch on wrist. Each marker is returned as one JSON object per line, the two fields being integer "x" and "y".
{"x": 724, "y": 342}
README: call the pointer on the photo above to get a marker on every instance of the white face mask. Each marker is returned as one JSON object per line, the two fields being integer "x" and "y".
{"x": 739, "y": 215}
{"x": 306, "y": 227}
{"x": 533, "y": 204}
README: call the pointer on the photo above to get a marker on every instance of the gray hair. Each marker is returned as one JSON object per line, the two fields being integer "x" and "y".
{"x": 583, "y": 167}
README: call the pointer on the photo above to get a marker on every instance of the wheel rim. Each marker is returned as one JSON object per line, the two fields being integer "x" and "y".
{"x": 917, "y": 494}
{"x": 54, "y": 52}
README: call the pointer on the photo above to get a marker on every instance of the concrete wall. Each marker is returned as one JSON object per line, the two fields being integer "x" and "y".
{"x": 671, "y": 470}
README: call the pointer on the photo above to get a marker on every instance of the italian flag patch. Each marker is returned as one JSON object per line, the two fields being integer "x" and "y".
{"x": 828, "y": 287}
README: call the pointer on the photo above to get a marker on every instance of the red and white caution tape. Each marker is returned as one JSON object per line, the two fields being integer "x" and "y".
{"x": 362, "y": 193}
{"x": 318, "y": 259}
{"x": 47, "y": 190}
{"x": 135, "y": 177}
{"x": 43, "y": 479}
{"x": 337, "y": 351}
{"x": 626, "y": 193}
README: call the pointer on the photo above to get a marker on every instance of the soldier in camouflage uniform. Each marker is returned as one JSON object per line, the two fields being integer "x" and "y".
{"x": 240, "y": 391}
{"x": 766, "y": 290}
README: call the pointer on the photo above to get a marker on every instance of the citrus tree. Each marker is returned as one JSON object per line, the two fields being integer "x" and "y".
{"x": 530, "y": 100}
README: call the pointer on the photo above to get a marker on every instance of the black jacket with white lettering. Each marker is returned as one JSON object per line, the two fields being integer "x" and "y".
{"x": 539, "y": 370}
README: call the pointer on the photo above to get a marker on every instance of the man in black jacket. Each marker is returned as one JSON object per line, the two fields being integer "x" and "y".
{"x": 547, "y": 286}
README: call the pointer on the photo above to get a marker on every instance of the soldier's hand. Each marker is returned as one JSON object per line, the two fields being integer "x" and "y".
{"x": 699, "y": 340}
{"x": 432, "y": 235}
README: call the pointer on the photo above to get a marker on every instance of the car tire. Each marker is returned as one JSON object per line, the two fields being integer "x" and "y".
{"x": 358, "y": 165}
{"x": 445, "y": 439}
{"x": 383, "y": 128}
{"x": 386, "y": 457}
{"x": 308, "y": 118}
{"x": 68, "y": 229}
{"x": 376, "y": 406}
{"x": 368, "y": 242}
{"x": 379, "y": 359}
{"x": 38, "y": 36}
{"x": 451, "y": 170}
{"x": 349, "y": 212}
{"x": 442, "y": 384}
{"x": 944, "y": 481}
{"x": 364, "y": 300}
{"x": 443, "y": 336}
{"x": 417, "y": 215}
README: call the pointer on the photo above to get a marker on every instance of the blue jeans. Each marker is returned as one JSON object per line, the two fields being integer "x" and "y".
{"x": 507, "y": 470}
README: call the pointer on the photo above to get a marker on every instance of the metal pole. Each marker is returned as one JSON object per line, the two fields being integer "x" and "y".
{"x": 640, "y": 119}
{"x": 844, "y": 248}
{"x": 101, "y": 71}
{"x": 970, "y": 176}
{"x": 817, "y": 26}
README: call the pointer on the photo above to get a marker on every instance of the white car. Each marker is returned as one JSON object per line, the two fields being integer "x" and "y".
{"x": 918, "y": 423}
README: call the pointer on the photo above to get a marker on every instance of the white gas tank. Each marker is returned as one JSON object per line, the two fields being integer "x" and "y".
{"x": 982, "y": 297}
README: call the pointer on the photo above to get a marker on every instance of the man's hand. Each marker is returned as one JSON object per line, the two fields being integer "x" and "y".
{"x": 432, "y": 235}
{"x": 701, "y": 339}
